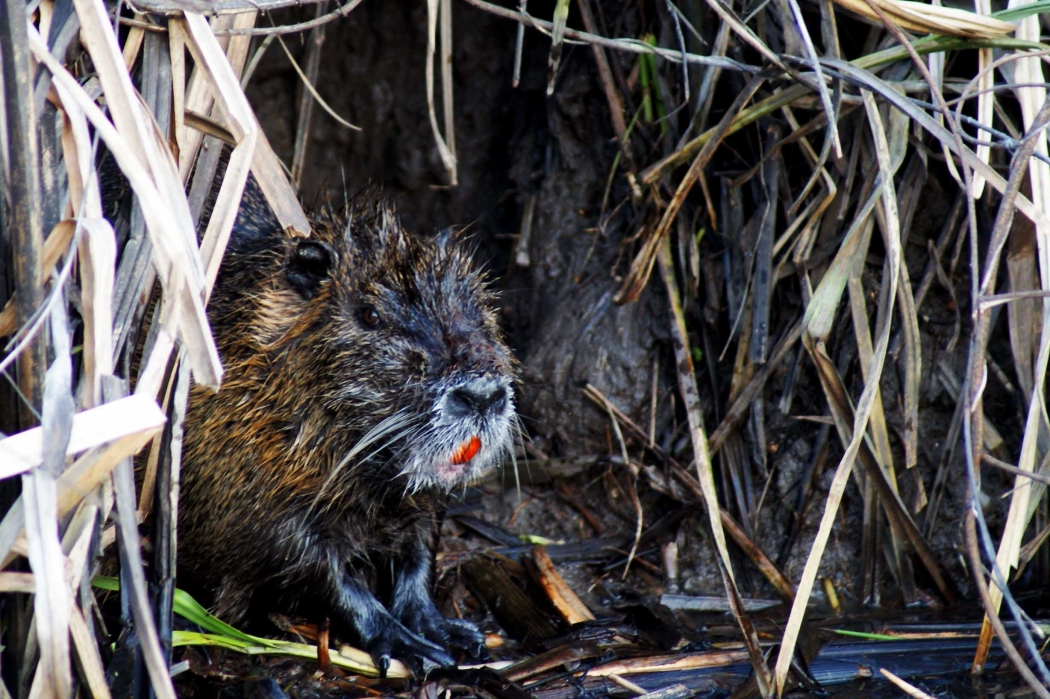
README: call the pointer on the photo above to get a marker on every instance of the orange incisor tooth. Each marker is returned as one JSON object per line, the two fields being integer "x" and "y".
{"x": 466, "y": 451}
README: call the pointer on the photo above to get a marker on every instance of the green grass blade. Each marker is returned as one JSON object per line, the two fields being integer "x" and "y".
{"x": 865, "y": 635}
{"x": 1022, "y": 11}
{"x": 191, "y": 610}
{"x": 357, "y": 663}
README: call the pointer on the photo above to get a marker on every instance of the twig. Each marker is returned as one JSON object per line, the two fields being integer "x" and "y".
{"x": 1010, "y": 468}
{"x": 293, "y": 28}
{"x": 313, "y": 91}
{"x": 129, "y": 22}
{"x": 306, "y": 104}
{"x": 906, "y": 687}
{"x": 629, "y": 45}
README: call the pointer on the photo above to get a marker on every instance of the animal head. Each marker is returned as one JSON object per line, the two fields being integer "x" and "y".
{"x": 395, "y": 338}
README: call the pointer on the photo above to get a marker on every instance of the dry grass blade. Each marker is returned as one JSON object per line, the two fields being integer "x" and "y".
{"x": 937, "y": 68}
{"x": 822, "y": 88}
{"x": 985, "y": 101}
{"x": 124, "y": 490}
{"x": 448, "y": 156}
{"x": 266, "y": 168}
{"x": 1023, "y": 314}
{"x": 52, "y": 603}
{"x": 632, "y": 490}
{"x": 913, "y": 370}
{"x": 561, "y": 16}
{"x": 612, "y": 94}
{"x": 97, "y": 250}
{"x": 91, "y": 428}
{"x": 133, "y": 45}
{"x": 931, "y": 19}
{"x": 865, "y": 351}
{"x": 177, "y": 58}
{"x": 826, "y": 298}
{"x": 151, "y": 173}
{"x": 17, "y": 582}
{"x": 98, "y": 258}
{"x": 304, "y": 112}
{"x": 669, "y": 663}
{"x": 704, "y": 473}
{"x": 446, "y": 75}
{"x": 209, "y": 57}
{"x": 879, "y": 432}
{"x": 87, "y": 652}
{"x": 898, "y": 143}
{"x": 308, "y": 84}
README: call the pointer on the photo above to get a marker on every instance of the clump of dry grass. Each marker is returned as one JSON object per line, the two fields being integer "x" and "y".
{"x": 75, "y": 466}
{"x": 860, "y": 420}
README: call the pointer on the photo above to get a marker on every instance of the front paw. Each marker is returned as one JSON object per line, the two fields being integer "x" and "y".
{"x": 428, "y": 622}
{"x": 463, "y": 634}
{"x": 391, "y": 639}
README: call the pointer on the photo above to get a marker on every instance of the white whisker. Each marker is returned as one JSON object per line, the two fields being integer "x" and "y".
{"x": 395, "y": 422}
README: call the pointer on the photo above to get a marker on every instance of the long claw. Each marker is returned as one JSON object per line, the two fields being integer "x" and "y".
{"x": 395, "y": 640}
{"x": 382, "y": 662}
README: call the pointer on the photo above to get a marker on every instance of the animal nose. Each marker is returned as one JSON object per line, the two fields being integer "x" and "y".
{"x": 479, "y": 396}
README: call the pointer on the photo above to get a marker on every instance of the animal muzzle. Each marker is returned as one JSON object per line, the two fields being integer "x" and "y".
{"x": 469, "y": 433}
{"x": 478, "y": 398}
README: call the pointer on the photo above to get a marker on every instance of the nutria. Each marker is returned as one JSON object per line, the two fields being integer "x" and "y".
{"x": 365, "y": 377}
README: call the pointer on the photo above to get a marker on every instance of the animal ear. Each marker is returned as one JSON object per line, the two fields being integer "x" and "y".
{"x": 310, "y": 264}
{"x": 256, "y": 228}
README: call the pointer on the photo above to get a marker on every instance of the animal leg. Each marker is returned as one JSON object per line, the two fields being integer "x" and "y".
{"x": 413, "y": 604}
{"x": 380, "y": 634}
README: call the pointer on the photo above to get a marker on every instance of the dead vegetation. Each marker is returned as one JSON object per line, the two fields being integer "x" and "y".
{"x": 838, "y": 142}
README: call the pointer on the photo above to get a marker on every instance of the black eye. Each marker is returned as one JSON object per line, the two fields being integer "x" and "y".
{"x": 370, "y": 317}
